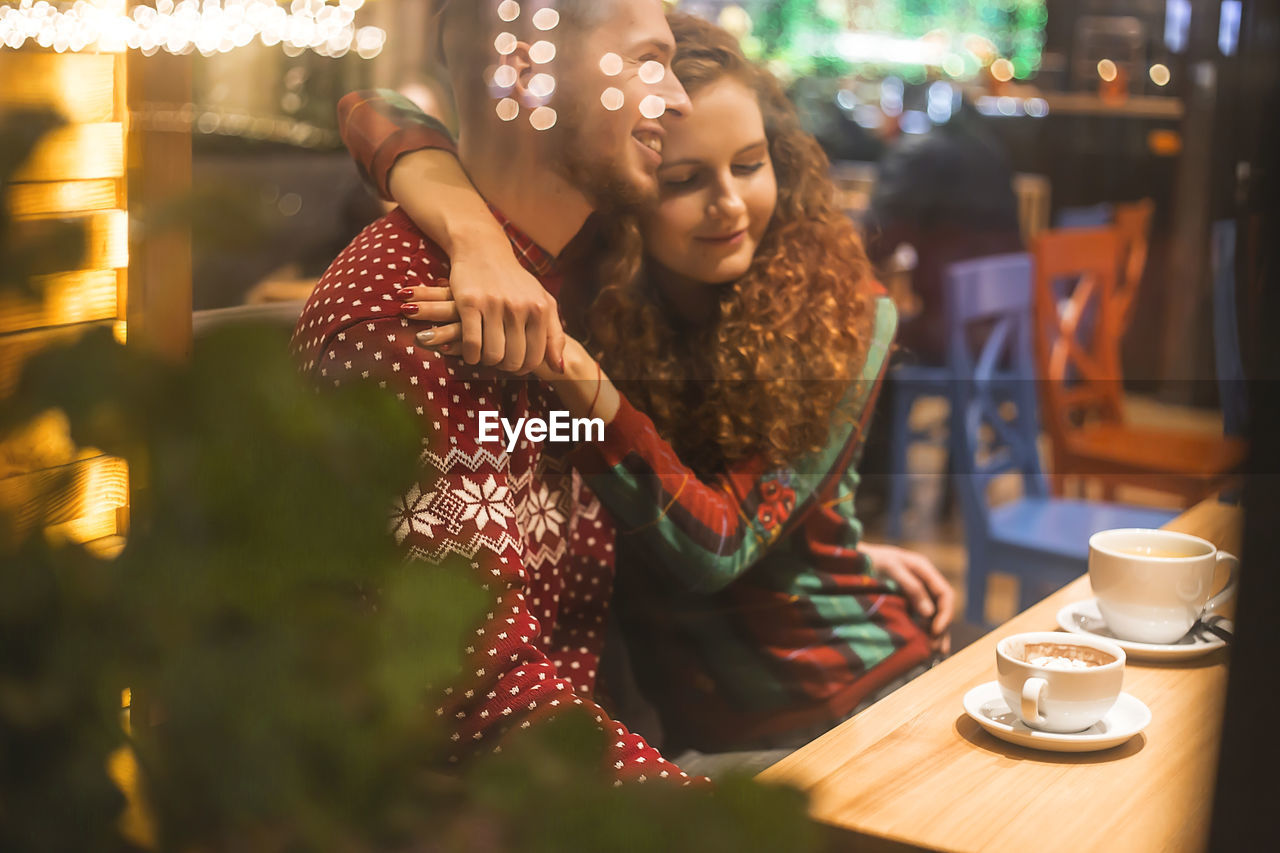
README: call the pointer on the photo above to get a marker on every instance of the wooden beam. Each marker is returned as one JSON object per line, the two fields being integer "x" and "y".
{"x": 159, "y": 299}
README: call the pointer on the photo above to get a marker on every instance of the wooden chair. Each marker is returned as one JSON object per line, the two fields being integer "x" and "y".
{"x": 1008, "y": 273}
{"x": 1133, "y": 222}
{"x": 1082, "y": 383}
{"x": 1041, "y": 540}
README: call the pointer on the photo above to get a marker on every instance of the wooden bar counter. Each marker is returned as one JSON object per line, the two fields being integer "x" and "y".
{"x": 914, "y": 771}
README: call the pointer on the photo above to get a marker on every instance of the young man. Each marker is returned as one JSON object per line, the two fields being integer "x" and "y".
{"x": 533, "y": 532}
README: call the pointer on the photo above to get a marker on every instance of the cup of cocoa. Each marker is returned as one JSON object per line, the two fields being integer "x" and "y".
{"x": 1058, "y": 682}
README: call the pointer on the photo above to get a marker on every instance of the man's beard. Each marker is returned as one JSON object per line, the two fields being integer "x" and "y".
{"x": 602, "y": 178}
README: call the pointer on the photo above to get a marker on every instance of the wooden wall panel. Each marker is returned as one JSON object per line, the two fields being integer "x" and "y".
{"x": 68, "y": 298}
{"x": 80, "y": 86}
{"x": 79, "y": 152}
{"x": 60, "y": 197}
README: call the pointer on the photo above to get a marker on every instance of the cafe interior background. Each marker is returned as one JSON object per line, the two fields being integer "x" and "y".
{"x": 199, "y": 156}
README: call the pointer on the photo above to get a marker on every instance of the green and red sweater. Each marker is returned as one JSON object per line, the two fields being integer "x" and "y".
{"x": 750, "y": 610}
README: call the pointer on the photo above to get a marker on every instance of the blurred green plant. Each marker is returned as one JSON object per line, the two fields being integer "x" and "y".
{"x": 277, "y": 649}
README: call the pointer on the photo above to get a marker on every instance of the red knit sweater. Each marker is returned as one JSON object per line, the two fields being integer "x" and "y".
{"x": 531, "y": 529}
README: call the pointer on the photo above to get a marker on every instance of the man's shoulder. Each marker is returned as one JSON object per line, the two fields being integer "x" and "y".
{"x": 388, "y": 244}
{"x": 361, "y": 285}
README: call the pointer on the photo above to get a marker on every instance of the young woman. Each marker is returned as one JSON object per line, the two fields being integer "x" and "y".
{"x": 737, "y": 318}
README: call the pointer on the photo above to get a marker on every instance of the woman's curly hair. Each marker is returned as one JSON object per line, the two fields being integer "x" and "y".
{"x": 765, "y": 379}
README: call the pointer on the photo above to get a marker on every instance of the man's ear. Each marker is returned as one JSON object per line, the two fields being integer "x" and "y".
{"x": 525, "y": 69}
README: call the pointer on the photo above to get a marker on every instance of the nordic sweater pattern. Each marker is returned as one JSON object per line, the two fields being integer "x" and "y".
{"x": 530, "y": 528}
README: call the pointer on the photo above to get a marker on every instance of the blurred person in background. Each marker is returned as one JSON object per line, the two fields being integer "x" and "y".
{"x": 949, "y": 195}
{"x": 939, "y": 198}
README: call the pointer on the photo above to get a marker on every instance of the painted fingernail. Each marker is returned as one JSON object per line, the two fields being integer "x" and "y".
{"x": 407, "y": 293}
{"x": 427, "y": 336}
{"x": 410, "y": 309}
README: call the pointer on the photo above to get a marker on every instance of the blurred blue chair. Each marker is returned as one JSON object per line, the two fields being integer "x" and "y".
{"x": 1092, "y": 216}
{"x": 912, "y": 382}
{"x": 1041, "y": 540}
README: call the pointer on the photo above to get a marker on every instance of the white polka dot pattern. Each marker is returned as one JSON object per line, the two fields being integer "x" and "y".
{"x": 534, "y": 533}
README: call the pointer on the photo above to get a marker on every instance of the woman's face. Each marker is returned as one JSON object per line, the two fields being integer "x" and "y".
{"x": 717, "y": 189}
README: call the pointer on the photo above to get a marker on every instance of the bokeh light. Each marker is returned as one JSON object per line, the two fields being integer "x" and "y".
{"x": 1107, "y": 70}
{"x": 505, "y": 76}
{"x": 653, "y": 107}
{"x": 508, "y": 109}
{"x": 1160, "y": 74}
{"x": 505, "y": 44}
{"x": 543, "y": 118}
{"x": 542, "y": 85}
{"x": 1002, "y": 70}
{"x": 612, "y": 99}
{"x": 508, "y": 10}
{"x": 542, "y": 52}
{"x": 611, "y": 64}
{"x": 653, "y": 72}
{"x": 546, "y": 19}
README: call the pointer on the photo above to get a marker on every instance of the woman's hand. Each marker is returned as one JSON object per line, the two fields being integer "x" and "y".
{"x": 926, "y": 589}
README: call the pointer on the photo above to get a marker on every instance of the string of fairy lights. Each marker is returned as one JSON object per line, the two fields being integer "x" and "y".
{"x": 207, "y": 27}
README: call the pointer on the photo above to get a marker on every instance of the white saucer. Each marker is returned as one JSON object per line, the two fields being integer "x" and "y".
{"x": 987, "y": 707}
{"x": 1083, "y": 617}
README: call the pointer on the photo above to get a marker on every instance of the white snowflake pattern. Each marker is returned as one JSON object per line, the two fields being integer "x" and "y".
{"x": 544, "y": 512}
{"x": 413, "y": 515}
{"x": 485, "y": 503}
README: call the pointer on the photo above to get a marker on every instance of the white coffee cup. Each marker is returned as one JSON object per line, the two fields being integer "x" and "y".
{"x": 1047, "y": 693}
{"x": 1152, "y": 585}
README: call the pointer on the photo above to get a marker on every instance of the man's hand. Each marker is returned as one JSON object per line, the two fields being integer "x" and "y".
{"x": 509, "y": 321}
{"x": 924, "y": 586}
{"x": 489, "y": 313}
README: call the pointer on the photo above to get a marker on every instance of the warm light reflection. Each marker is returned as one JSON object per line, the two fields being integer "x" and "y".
{"x": 1107, "y": 70}
{"x": 79, "y": 152}
{"x": 1160, "y": 74}
{"x": 104, "y": 490}
{"x": 42, "y": 199}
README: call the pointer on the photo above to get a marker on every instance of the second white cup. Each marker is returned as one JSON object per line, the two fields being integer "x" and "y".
{"x": 1152, "y": 585}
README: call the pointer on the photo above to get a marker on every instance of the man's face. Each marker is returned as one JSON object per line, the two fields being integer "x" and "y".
{"x": 608, "y": 141}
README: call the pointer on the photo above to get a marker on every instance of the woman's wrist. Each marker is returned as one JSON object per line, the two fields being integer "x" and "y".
{"x": 585, "y": 389}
